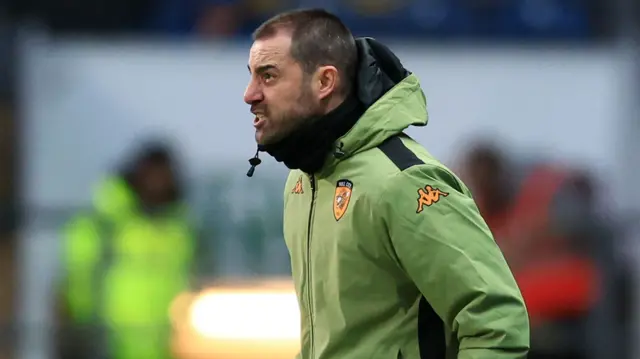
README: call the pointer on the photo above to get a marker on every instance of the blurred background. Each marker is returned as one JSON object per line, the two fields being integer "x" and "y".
{"x": 130, "y": 231}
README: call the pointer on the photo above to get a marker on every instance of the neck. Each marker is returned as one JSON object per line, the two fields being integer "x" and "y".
{"x": 308, "y": 147}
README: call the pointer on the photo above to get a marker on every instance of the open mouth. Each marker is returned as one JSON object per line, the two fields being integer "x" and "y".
{"x": 258, "y": 121}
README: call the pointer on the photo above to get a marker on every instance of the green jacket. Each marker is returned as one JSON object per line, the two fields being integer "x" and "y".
{"x": 390, "y": 256}
{"x": 116, "y": 258}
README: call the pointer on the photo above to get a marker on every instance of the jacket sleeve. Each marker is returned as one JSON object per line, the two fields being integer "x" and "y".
{"x": 81, "y": 253}
{"x": 447, "y": 250}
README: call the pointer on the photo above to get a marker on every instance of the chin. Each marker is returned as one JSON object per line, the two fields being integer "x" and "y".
{"x": 261, "y": 139}
{"x": 270, "y": 137}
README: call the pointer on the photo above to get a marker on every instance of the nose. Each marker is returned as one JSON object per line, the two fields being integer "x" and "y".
{"x": 253, "y": 93}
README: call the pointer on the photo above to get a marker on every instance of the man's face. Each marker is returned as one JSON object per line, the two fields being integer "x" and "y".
{"x": 280, "y": 95}
{"x": 155, "y": 182}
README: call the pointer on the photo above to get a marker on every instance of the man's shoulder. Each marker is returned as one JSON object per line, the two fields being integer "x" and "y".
{"x": 400, "y": 163}
{"x": 413, "y": 160}
{"x": 427, "y": 176}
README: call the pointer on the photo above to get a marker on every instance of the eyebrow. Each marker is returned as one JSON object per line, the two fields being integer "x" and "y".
{"x": 262, "y": 69}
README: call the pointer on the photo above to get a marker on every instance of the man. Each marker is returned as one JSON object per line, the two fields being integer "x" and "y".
{"x": 127, "y": 260}
{"x": 390, "y": 256}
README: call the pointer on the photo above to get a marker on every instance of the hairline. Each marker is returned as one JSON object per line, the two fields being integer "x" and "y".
{"x": 287, "y": 26}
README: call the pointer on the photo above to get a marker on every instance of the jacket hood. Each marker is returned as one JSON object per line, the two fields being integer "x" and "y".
{"x": 392, "y": 95}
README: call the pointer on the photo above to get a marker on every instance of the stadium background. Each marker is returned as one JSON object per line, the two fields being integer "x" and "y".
{"x": 84, "y": 81}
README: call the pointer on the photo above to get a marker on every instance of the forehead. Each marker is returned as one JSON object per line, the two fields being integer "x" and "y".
{"x": 273, "y": 50}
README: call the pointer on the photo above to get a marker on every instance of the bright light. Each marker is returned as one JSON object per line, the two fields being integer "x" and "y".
{"x": 247, "y": 315}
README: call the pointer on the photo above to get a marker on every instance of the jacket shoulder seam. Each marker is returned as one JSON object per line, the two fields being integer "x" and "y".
{"x": 399, "y": 154}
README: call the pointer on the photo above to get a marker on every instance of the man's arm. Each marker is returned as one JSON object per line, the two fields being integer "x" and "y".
{"x": 446, "y": 248}
{"x": 81, "y": 255}
{"x": 75, "y": 303}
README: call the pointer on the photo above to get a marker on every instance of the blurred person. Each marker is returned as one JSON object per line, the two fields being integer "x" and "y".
{"x": 542, "y": 217}
{"x": 390, "y": 256}
{"x": 126, "y": 260}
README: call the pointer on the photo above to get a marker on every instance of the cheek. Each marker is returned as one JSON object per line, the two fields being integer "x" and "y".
{"x": 281, "y": 98}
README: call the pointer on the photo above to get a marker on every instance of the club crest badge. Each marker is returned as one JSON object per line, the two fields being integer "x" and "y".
{"x": 341, "y": 198}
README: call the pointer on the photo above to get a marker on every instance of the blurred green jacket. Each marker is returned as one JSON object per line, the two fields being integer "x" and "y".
{"x": 390, "y": 256}
{"x": 123, "y": 268}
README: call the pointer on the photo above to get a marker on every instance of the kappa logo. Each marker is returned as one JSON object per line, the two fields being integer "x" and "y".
{"x": 428, "y": 196}
{"x": 342, "y": 197}
{"x": 298, "y": 189}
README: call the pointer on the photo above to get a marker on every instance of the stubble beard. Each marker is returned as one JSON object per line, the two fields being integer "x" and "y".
{"x": 303, "y": 111}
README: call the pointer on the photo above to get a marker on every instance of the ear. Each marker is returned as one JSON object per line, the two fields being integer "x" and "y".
{"x": 326, "y": 81}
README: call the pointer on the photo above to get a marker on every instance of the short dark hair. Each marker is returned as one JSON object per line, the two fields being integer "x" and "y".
{"x": 317, "y": 38}
{"x": 488, "y": 155}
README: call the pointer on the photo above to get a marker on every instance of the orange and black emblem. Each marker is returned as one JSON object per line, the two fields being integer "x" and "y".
{"x": 297, "y": 189}
{"x": 428, "y": 196}
{"x": 342, "y": 198}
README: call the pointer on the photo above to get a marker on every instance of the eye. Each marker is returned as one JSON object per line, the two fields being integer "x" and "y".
{"x": 267, "y": 77}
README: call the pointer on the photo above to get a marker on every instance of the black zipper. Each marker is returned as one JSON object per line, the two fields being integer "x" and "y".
{"x": 312, "y": 180}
